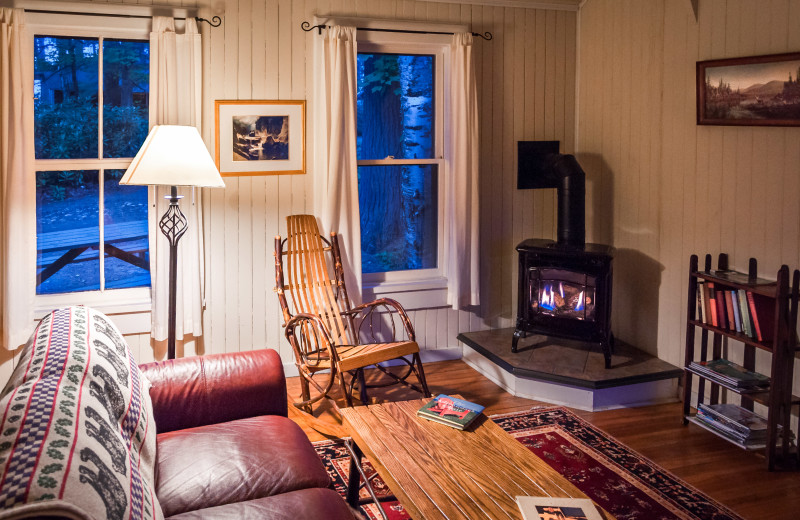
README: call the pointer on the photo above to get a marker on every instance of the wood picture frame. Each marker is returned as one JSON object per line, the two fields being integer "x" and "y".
{"x": 260, "y": 137}
{"x": 749, "y": 91}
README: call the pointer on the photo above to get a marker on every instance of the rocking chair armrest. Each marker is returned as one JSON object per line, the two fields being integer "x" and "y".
{"x": 316, "y": 322}
{"x": 355, "y": 311}
{"x": 380, "y": 301}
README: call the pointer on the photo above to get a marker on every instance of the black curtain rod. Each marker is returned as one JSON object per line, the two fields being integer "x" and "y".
{"x": 215, "y": 21}
{"x": 308, "y": 27}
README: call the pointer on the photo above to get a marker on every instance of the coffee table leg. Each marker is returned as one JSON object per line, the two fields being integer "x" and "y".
{"x": 355, "y": 473}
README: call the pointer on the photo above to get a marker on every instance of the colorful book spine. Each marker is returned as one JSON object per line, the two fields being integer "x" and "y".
{"x": 752, "y": 304}
{"x": 719, "y": 296}
{"x": 735, "y": 304}
{"x": 744, "y": 313}
{"x": 712, "y": 303}
{"x": 701, "y": 301}
{"x": 729, "y": 310}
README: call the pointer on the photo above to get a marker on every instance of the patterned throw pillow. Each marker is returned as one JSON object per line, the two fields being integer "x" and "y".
{"x": 77, "y": 436}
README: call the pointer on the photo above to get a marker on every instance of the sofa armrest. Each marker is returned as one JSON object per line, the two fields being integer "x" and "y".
{"x": 201, "y": 390}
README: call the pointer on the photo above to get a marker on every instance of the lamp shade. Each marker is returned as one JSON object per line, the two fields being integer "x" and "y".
{"x": 173, "y": 155}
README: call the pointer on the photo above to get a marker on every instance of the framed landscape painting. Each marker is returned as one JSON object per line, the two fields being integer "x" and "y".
{"x": 752, "y": 91}
{"x": 260, "y": 137}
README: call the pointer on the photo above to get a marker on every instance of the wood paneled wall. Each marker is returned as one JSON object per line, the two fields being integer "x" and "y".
{"x": 526, "y": 88}
{"x": 663, "y": 187}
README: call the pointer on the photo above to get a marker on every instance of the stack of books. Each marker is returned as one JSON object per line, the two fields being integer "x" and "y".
{"x": 735, "y": 423}
{"x": 732, "y": 375}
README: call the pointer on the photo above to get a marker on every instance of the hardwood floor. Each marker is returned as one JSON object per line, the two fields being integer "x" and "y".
{"x": 726, "y": 473}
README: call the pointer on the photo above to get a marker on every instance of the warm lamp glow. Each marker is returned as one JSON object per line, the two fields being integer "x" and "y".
{"x": 173, "y": 156}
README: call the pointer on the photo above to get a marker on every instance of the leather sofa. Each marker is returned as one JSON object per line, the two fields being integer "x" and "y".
{"x": 85, "y": 433}
{"x": 225, "y": 447}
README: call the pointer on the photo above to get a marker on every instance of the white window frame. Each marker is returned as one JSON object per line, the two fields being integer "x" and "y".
{"x": 133, "y": 302}
{"x": 417, "y": 288}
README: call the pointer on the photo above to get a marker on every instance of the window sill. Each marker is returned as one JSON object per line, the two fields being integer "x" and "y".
{"x": 129, "y": 308}
{"x": 427, "y": 293}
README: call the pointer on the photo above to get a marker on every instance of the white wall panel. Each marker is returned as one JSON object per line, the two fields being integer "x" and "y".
{"x": 526, "y": 79}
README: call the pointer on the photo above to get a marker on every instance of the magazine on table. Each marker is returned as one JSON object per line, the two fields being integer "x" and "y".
{"x": 552, "y": 508}
{"x": 451, "y": 411}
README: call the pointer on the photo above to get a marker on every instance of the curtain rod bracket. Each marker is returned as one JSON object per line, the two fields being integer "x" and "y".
{"x": 308, "y": 27}
{"x": 217, "y": 21}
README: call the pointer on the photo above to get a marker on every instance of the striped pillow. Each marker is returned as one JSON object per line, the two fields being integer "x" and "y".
{"x": 77, "y": 436}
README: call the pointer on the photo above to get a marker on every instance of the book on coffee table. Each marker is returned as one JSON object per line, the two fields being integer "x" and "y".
{"x": 551, "y": 508}
{"x": 451, "y": 411}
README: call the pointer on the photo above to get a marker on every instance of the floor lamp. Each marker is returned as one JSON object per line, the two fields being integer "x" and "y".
{"x": 173, "y": 156}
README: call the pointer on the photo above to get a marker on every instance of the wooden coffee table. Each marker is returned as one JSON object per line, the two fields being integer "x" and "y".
{"x": 437, "y": 471}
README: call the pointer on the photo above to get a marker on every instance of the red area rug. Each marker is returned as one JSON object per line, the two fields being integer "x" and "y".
{"x": 623, "y": 482}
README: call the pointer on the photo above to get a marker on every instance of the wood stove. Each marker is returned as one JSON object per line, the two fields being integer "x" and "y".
{"x": 564, "y": 285}
{"x": 565, "y": 292}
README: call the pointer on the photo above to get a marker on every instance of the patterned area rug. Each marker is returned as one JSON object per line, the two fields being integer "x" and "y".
{"x": 626, "y": 484}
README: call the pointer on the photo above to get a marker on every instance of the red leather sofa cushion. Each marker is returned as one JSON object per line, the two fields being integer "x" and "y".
{"x": 234, "y": 461}
{"x": 216, "y": 388}
{"x": 296, "y": 505}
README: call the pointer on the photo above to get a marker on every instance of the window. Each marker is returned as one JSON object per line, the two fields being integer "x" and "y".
{"x": 400, "y": 131}
{"x": 90, "y": 118}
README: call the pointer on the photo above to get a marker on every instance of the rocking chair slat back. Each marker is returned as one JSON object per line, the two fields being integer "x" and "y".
{"x": 310, "y": 285}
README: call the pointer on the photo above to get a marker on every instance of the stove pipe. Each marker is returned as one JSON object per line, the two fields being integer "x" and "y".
{"x": 570, "y": 181}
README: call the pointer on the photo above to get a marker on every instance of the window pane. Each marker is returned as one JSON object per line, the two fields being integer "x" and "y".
{"x": 127, "y": 262}
{"x": 395, "y": 106}
{"x": 65, "y": 105}
{"x": 67, "y": 232}
{"x": 398, "y": 206}
{"x": 126, "y": 90}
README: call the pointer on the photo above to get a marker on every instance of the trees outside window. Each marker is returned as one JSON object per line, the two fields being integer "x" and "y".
{"x": 90, "y": 118}
{"x": 399, "y": 158}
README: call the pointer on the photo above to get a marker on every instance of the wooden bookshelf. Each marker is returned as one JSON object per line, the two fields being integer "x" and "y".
{"x": 779, "y": 302}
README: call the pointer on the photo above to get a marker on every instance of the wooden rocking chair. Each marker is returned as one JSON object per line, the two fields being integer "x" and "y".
{"x": 325, "y": 332}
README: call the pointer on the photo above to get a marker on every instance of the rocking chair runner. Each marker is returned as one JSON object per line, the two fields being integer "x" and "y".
{"x": 325, "y": 332}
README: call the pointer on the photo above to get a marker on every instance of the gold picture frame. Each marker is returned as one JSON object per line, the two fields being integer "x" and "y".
{"x": 260, "y": 137}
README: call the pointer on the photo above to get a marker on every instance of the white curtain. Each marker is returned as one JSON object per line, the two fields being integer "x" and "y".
{"x": 175, "y": 99}
{"x": 17, "y": 184}
{"x": 461, "y": 188}
{"x": 336, "y": 179}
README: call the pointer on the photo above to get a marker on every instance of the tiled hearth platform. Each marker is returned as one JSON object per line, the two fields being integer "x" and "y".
{"x": 571, "y": 373}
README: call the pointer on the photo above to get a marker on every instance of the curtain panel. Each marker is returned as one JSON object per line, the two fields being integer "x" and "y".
{"x": 17, "y": 184}
{"x": 461, "y": 261}
{"x": 175, "y": 99}
{"x": 335, "y": 167}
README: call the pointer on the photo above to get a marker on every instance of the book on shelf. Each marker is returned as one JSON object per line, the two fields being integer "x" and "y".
{"x": 719, "y": 296}
{"x": 712, "y": 303}
{"x": 735, "y": 306}
{"x": 732, "y": 374}
{"x": 538, "y": 508}
{"x": 743, "y": 421}
{"x": 762, "y": 311}
{"x": 451, "y": 411}
{"x": 701, "y": 301}
{"x": 739, "y": 440}
{"x": 744, "y": 312}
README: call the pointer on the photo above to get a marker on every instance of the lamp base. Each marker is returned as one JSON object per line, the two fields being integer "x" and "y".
{"x": 173, "y": 225}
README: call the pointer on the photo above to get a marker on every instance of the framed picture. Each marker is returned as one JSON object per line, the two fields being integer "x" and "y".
{"x": 260, "y": 137}
{"x": 752, "y": 91}
{"x": 550, "y": 508}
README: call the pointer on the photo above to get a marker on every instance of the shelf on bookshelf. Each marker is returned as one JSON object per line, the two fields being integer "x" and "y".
{"x": 759, "y": 396}
{"x": 762, "y": 286}
{"x": 692, "y": 418}
{"x": 744, "y": 338}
